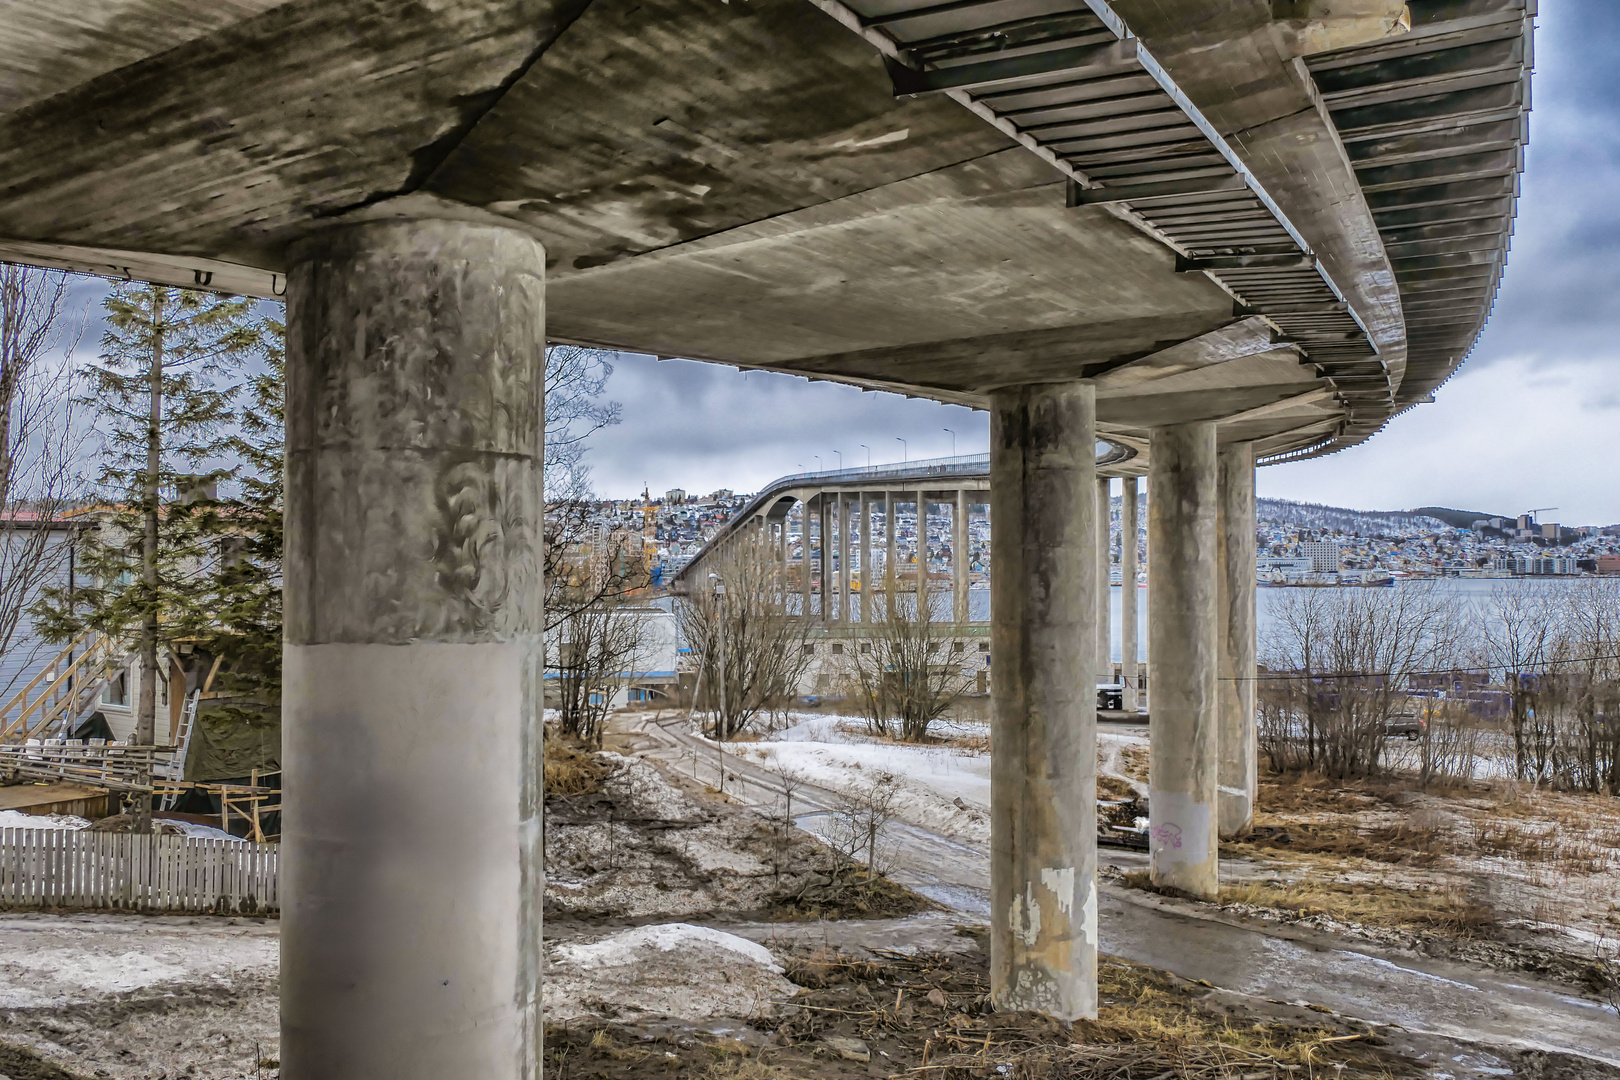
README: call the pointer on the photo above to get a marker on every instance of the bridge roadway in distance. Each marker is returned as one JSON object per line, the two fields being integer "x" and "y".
{"x": 1215, "y": 232}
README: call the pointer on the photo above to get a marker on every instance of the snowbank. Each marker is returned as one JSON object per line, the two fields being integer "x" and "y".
{"x": 678, "y": 970}
{"x": 16, "y": 819}
{"x": 622, "y": 948}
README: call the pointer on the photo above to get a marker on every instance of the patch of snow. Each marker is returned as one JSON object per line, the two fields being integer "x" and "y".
{"x": 638, "y": 786}
{"x": 622, "y": 948}
{"x": 16, "y": 819}
{"x": 678, "y": 970}
{"x": 193, "y": 828}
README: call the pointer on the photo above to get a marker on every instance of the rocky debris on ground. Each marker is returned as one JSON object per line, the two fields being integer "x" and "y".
{"x": 929, "y": 1014}
{"x": 667, "y": 970}
{"x": 131, "y": 997}
{"x": 647, "y": 844}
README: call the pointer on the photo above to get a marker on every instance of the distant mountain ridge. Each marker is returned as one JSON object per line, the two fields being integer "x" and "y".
{"x": 1319, "y": 518}
{"x": 1459, "y": 519}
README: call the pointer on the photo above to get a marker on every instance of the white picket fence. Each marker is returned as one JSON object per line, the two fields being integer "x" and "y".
{"x": 60, "y": 868}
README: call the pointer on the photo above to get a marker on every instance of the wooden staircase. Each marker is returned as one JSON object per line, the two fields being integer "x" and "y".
{"x": 62, "y": 691}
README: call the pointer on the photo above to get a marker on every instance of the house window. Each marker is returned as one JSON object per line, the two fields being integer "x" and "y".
{"x": 116, "y": 692}
{"x": 823, "y": 682}
{"x": 984, "y": 646}
{"x": 866, "y": 646}
{"x": 838, "y": 648}
{"x": 958, "y": 646}
{"x": 809, "y": 650}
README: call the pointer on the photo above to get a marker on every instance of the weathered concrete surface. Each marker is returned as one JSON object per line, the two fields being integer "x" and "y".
{"x": 1043, "y": 596}
{"x": 1236, "y": 555}
{"x": 412, "y": 838}
{"x": 1182, "y": 646}
{"x": 1105, "y": 653}
{"x": 1129, "y": 525}
{"x": 740, "y": 183}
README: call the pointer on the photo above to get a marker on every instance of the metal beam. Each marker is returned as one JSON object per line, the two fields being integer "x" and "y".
{"x": 1090, "y": 60}
{"x": 1157, "y": 191}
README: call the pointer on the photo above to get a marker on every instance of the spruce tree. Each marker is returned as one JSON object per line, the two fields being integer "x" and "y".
{"x": 243, "y": 594}
{"x": 164, "y": 407}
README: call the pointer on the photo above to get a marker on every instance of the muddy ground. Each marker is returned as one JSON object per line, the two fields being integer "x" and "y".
{"x": 1500, "y": 875}
{"x": 689, "y": 936}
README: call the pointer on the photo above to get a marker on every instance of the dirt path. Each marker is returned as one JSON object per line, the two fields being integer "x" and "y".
{"x": 1457, "y": 1001}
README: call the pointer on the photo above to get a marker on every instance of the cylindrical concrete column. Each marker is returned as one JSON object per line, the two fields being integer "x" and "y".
{"x": 891, "y": 572}
{"x": 782, "y": 562}
{"x": 922, "y": 550}
{"x": 411, "y": 847}
{"x": 805, "y": 574}
{"x": 959, "y": 557}
{"x": 1105, "y": 651}
{"x": 867, "y": 577}
{"x": 825, "y": 542}
{"x": 1043, "y": 596}
{"x": 1238, "y": 747}
{"x": 1128, "y": 593}
{"x": 1182, "y": 658}
{"x": 843, "y": 557}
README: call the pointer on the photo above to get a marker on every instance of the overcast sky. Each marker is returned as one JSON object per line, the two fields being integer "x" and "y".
{"x": 1531, "y": 420}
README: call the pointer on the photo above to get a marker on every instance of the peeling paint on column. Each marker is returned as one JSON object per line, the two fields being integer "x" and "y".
{"x": 1024, "y": 917}
{"x": 1088, "y": 914}
{"x": 1061, "y": 883}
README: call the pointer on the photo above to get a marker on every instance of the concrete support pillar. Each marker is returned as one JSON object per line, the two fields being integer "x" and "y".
{"x": 922, "y": 550}
{"x": 825, "y": 541}
{"x": 411, "y": 881}
{"x": 805, "y": 565}
{"x": 959, "y": 557}
{"x": 867, "y": 577}
{"x": 1105, "y": 651}
{"x": 843, "y": 557}
{"x": 1043, "y": 811}
{"x": 891, "y": 571}
{"x": 1239, "y": 781}
{"x": 782, "y": 561}
{"x": 1128, "y": 593}
{"x": 1182, "y": 654}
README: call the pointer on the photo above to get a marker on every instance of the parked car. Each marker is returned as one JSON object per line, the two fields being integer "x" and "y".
{"x": 1110, "y": 696}
{"x": 1407, "y": 724}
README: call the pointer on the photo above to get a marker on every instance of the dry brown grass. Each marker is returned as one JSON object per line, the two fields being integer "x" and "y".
{"x": 1364, "y": 903}
{"x": 570, "y": 770}
{"x": 1112, "y": 787}
{"x": 1134, "y": 762}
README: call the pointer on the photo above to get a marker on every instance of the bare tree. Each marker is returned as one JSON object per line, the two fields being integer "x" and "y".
{"x": 576, "y": 547}
{"x": 1520, "y": 635}
{"x": 861, "y": 819}
{"x": 596, "y": 647}
{"x": 1585, "y": 685}
{"x": 1343, "y": 660}
{"x": 907, "y": 674}
{"x": 40, "y": 440}
{"x": 751, "y": 654}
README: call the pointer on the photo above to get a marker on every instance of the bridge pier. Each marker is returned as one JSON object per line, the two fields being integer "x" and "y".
{"x": 1238, "y": 744}
{"x": 1183, "y": 642}
{"x": 1128, "y": 596}
{"x": 412, "y": 880}
{"x": 1105, "y": 652}
{"x": 1043, "y": 859}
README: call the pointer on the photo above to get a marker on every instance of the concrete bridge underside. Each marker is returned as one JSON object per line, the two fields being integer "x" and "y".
{"x": 1214, "y": 231}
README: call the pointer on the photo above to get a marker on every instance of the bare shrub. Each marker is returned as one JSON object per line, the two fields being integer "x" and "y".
{"x": 596, "y": 647}
{"x": 906, "y": 674}
{"x": 860, "y": 822}
{"x": 1339, "y": 666}
{"x": 750, "y": 652}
